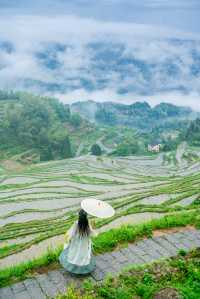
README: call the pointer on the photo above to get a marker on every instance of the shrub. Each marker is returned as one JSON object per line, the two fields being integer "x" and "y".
{"x": 96, "y": 150}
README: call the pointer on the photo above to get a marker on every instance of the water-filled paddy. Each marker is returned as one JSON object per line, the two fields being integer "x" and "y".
{"x": 40, "y": 203}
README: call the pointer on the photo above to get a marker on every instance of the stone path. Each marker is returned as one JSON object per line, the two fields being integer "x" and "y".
{"x": 142, "y": 252}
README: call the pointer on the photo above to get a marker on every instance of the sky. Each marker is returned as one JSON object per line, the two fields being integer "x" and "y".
{"x": 116, "y": 50}
{"x": 179, "y": 14}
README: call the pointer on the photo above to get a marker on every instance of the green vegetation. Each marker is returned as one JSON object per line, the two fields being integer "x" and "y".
{"x": 75, "y": 120}
{"x": 37, "y": 128}
{"x": 177, "y": 277}
{"x": 96, "y": 150}
{"x": 37, "y": 123}
{"x": 127, "y": 148}
{"x": 109, "y": 240}
{"x": 104, "y": 242}
{"x": 48, "y": 194}
{"x": 192, "y": 134}
{"x": 139, "y": 115}
{"x": 170, "y": 144}
{"x": 165, "y": 123}
{"x": 105, "y": 117}
{"x": 41, "y": 129}
{"x": 16, "y": 273}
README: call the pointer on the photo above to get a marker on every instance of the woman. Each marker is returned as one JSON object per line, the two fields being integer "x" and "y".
{"x": 77, "y": 254}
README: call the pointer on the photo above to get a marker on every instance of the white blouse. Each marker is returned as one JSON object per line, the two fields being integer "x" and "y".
{"x": 79, "y": 248}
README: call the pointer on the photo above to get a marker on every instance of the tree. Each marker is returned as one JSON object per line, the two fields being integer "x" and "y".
{"x": 60, "y": 142}
{"x": 170, "y": 144}
{"x": 96, "y": 150}
{"x": 75, "y": 120}
{"x": 127, "y": 148}
{"x": 192, "y": 134}
{"x": 46, "y": 154}
{"x": 62, "y": 111}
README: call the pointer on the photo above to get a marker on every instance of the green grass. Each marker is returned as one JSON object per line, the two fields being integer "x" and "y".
{"x": 180, "y": 275}
{"x": 43, "y": 229}
{"x": 109, "y": 240}
{"x": 7, "y": 152}
{"x": 104, "y": 242}
{"x": 93, "y": 180}
{"x": 16, "y": 273}
{"x": 6, "y": 250}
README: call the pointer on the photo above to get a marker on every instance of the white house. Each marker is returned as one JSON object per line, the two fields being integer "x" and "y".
{"x": 154, "y": 148}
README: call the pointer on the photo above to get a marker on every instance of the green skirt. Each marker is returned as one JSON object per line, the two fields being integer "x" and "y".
{"x": 76, "y": 269}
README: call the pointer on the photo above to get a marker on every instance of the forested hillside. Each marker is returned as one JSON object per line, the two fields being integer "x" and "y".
{"x": 35, "y": 123}
{"x": 34, "y": 129}
{"x": 139, "y": 115}
{"x": 42, "y": 128}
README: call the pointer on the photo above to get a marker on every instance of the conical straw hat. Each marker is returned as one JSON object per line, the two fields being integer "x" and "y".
{"x": 97, "y": 208}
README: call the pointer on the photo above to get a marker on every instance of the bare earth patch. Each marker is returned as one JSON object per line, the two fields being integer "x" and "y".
{"x": 161, "y": 232}
{"x": 11, "y": 165}
{"x": 168, "y": 293}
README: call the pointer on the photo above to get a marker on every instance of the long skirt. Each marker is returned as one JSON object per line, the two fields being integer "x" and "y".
{"x": 76, "y": 269}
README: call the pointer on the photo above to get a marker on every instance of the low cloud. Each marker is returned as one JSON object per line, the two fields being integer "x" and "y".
{"x": 79, "y": 59}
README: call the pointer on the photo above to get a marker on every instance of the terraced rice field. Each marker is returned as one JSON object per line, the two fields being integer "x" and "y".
{"x": 39, "y": 204}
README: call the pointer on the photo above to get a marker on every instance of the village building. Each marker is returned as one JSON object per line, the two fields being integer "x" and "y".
{"x": 154, "y": 148}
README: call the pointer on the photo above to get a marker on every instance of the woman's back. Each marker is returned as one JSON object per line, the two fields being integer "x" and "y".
{"x": 80, "y": 246}
{"x": 77, "y": 254}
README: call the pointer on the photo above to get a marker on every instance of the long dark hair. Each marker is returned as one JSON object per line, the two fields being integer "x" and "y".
{"x": 83, "y": 224}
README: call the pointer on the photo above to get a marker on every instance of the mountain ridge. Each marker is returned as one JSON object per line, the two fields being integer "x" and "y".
{"x": 138, "y": 115}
